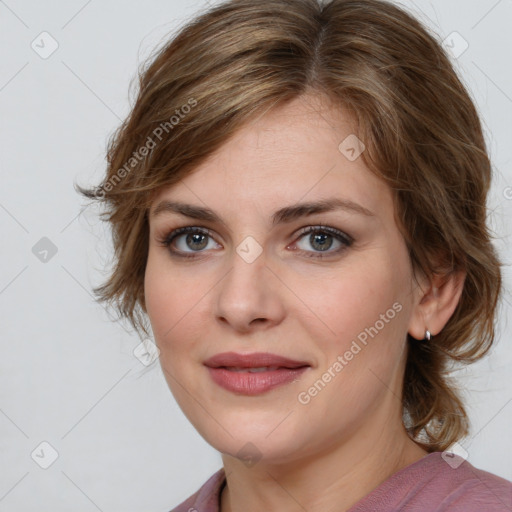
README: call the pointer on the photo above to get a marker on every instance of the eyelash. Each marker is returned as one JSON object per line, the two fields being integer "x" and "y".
{"x": 339, "y": 235}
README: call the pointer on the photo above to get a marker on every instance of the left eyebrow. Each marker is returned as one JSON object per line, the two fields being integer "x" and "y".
{"x": 296, "y": 211}
{"x": 283, "y": 215}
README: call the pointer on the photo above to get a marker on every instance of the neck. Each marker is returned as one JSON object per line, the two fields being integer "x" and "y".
{"x": 333, "y": 480}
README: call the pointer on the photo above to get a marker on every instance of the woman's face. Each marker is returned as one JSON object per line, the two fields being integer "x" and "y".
{"x": 338, "y": 301}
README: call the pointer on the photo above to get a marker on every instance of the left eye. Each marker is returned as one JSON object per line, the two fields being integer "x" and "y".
{"x": 323, "y": 238}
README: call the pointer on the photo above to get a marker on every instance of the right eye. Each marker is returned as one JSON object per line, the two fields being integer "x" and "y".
{"x": 188, "y": 240}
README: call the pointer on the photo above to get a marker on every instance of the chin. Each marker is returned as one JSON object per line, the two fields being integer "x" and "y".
{"x": 251, "y": 439}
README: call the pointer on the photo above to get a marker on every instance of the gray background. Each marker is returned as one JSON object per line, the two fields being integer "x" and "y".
{"x": 68, "y": 374}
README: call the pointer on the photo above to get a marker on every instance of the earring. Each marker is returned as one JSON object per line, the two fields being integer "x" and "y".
{"x": 428, "y": 336}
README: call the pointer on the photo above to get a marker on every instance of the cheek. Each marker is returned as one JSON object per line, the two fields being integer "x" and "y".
{"x": 176, "y": 304}
{"x": 354, "y": 298}
{"x": 364, "y": 318}
{"x": 364, "y": 309}
{"x": 159, "y": 304}
{"x": 167, "y": 297}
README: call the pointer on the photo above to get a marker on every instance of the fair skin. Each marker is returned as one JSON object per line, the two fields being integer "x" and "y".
{"x": 327, "y": 454}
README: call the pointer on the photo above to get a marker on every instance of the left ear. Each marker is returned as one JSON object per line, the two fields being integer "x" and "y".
{"x": 437, "y": 299}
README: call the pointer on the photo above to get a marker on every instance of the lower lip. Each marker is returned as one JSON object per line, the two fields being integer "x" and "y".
{"x": 247, "y": 383}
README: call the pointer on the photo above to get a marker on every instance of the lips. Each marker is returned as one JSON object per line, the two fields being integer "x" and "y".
{"x": 235, "y": 361}
{"x": 253, "y": 374}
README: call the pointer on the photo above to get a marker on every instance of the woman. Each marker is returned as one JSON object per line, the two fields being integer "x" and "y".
{"x": 298, "y": 203}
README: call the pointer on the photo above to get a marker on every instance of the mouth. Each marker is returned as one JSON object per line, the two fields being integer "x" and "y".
{"x": 252, "y": 370}
{"x": 253, "y": 374}
{"x": 256, "y": 360}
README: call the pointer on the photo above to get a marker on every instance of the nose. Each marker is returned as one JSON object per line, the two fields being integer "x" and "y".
{"x": 250, "y": 296}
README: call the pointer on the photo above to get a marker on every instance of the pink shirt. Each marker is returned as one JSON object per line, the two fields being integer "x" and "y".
{"x": 428, "y": 485}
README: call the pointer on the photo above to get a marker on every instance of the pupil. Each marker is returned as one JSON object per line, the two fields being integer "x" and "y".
{"x": 195, "y": 237}
{"x": 322, "y": 246}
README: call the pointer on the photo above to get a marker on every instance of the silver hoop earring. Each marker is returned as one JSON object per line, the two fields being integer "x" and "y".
{"x": 428, "y": 336}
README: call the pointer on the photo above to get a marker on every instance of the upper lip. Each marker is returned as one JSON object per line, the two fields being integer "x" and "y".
{"x": 254, "y": 360}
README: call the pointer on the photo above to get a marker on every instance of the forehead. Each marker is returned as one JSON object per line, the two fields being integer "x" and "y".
{"x": 287, "y": 155}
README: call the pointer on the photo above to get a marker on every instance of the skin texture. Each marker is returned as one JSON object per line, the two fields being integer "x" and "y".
{"x": 329, "y": 453}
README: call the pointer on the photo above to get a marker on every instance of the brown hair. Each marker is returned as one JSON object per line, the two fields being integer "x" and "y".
{"x": 422, "y": 134}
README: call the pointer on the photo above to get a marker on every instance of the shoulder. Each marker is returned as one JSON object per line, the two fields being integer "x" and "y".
{"x": 439, "y": 483}
{"x": 206, "y": 498}
{"x": 468, "y": 488}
